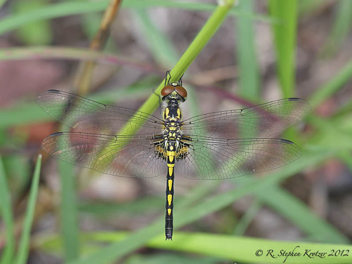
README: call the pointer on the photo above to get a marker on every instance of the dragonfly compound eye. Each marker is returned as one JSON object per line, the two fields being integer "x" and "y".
{"x": 167, "y": 90}
{"x": 181, "y": 91}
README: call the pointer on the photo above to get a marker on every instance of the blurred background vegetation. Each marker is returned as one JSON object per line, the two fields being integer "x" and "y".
{"x": 264, "y": 50}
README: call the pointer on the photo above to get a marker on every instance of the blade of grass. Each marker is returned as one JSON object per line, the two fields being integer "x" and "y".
{"x": 247, "y": 64}
{"x": 249, "y": 249}
{"x": 341, "y": 27}
{"x": 332, "y": 86}
{"x": 223, "y": 246}
{"x": 23, "y": 248}
{"x": 85, "y": 70}
{"x": 71, "y": 54}
{"x": 53, "y": 11}
{"x": 248, "y": 67}
{"x": 285, "y": 42}
{"x": 74, "y": 8}
{"x": 69, "y": 221}
{"x": 6, "y": 213}
{"x": 37, "y": 32}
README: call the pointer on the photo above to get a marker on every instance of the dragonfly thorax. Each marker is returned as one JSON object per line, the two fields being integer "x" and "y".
{"x": 172, "y": 123}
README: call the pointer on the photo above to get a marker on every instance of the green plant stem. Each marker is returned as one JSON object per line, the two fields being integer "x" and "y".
{"x": 224, "y": 246}
{"x": 69, "y": 221}
{"x": 247, "y": 62}
{"x": 23, "y": 248}
{"x": 71, "y": 54}
{"x": 285, "y": 42}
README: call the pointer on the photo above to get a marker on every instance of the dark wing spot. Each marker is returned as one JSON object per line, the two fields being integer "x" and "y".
{"x": 54, "y": 91}
{"x": 294, "y": 99}
{"x": 286, "y": 141}
{"x": 56, "y": 134}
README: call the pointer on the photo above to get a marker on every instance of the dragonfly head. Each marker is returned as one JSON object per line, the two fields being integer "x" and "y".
{"x": 174, "y": 91}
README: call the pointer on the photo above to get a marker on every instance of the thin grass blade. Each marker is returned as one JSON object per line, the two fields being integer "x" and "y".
{"x": 252, "y": 250}
{"x": 69, "y": 211}
{"x": 285, "y": 42}
{"x": 23, "y": 248}
{"x": 247, "y": 62}
{"x": 81, "y": 7}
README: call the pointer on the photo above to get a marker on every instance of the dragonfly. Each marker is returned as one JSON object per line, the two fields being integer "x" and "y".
{"x": 127, "y": 143}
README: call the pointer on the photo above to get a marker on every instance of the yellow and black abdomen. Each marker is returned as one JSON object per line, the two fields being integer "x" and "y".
{"x": 170, "y": 189}
{"x": 172, "y": 136}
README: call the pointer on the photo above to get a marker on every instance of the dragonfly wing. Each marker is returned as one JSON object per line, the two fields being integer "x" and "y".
{"x": 86, "y": 115}
{"x": 125, "y": 156}
{"x": 260, "y": 121}
{"x": 214, "y": 159}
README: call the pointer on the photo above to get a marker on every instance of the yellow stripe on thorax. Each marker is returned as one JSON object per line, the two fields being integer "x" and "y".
{"x": 179, "y": 114}
{"x": 166, "y": 112}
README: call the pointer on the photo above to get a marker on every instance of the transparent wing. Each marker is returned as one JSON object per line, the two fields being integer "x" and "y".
{"x": 124, "y": 156}
{"x": 213, "y": 159}
{"x": 260, "y": 121}
{"x": 86, "y": 115}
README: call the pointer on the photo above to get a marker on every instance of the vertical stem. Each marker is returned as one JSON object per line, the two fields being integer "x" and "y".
{"x": 285, "y": 42}
{"x": 85, "y": 69}
{"x": 248, "y": 67}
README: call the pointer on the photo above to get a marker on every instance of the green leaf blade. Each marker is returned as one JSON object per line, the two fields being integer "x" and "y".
{"x": 23, "y": 249}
